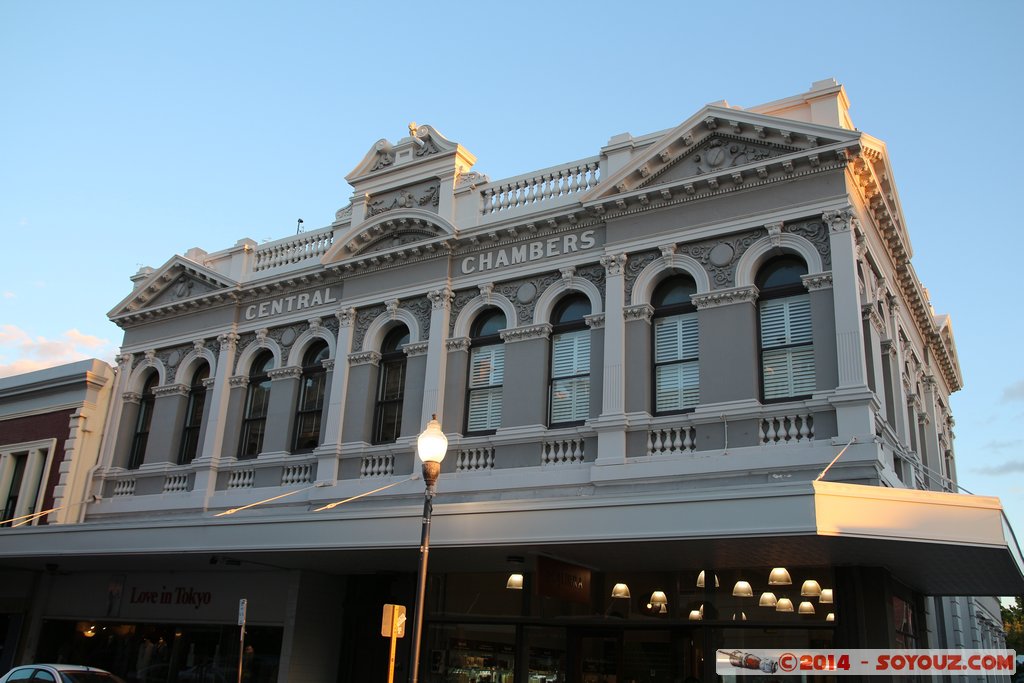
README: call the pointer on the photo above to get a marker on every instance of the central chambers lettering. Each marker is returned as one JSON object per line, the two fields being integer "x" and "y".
{"x": 531, "y": 251}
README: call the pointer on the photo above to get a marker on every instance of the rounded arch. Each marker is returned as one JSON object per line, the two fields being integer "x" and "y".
{"x": 767, "y": 247}
{"x": 383, "y": 323}
{"x": 137, "y": 380}
{"x": 547, "y": 300}
{"x": 665, "y": 266}
{"x": 298, "y": 349}
{"x": 250, "y": 352}
{"x": 190, "y": 363}
{"x": 470, "y": 311}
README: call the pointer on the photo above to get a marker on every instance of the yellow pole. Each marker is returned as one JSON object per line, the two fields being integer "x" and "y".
{"x": 394, "y": 639}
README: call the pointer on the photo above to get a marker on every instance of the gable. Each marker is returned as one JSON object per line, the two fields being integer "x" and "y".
{"x": 399, "y": 232}
{"x": 730, "y": 142}
{"x": 179, "y": 281}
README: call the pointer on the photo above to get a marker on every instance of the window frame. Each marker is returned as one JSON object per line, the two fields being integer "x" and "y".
{"x": 259, "y": 378}
{"x": 664, "y": 312}
{"x": 477, "y": 344}
{"x": 193, "y": 423}
{"x": 313, "y": 370}
{"x": 143, "y": 423}
{"x": 392, "y": 359}
{"x": 791, "y": 291}
{"x": 578, "y": 328}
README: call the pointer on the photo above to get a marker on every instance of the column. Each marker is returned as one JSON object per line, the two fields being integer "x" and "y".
{"x": 611, "y": 425}
{"x": 873, "y": 328}
{"x": 330, "y": 446}
{"x": 933, "y": 454}
{"x": 854, "y": 402}
{"x": 456, "y": 381}
{"x": 130, "y": 404}
{"x": 111, "y": 451}
{"x": 437, "y": 357}
{"x": 215, "y": 419}
{"x": 169, "y": 407}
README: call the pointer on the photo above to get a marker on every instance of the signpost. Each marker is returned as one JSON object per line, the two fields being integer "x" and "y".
{"x": 392, "y": 625}
{"x": 242, "y": 604}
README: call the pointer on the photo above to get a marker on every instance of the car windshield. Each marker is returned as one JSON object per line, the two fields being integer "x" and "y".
{"x": 89, "y": 677}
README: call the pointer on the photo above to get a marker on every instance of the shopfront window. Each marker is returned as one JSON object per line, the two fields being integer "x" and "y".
{"x": 164, "y": 653}
{"x": 471, "y": 653}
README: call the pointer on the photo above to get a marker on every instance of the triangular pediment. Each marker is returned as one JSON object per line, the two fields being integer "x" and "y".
{"x": 398, "y": 233}
{"x": 180, "y": 281}
{"x": 718, "y": 140}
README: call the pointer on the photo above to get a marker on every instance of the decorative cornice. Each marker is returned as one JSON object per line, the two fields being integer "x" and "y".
{"x": 328, "y": 364}
{"x": 238, "y": 381}
{"x": 228, "y": 339}
{"x": 209, "y": 382}
{"x": 869, "y": 313}
{"x": 170, "y": 390}
{"x": 131, "y": 397}
{"x": 526, "y": 333}
{"x": 594, "y": 321}
{"x": 613, "y": 264}
{"x": 725, "y": 297}
{"x": 289, "y": 372}
{"x": 638, "y": 312}
{"x": 457, "y": 344}
{"x": 416, "y": 349}
{"x": 364, "y": 358}
{"x": 816, "y": 281}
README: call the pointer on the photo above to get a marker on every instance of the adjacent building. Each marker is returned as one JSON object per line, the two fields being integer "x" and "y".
{"x": 697, "y": 400}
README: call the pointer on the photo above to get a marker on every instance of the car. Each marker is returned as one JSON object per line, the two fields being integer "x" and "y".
{"x": 59, "y": 673}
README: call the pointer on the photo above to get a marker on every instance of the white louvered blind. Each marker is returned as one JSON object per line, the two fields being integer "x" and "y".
{"x": 486, "y": 376}
{"x": 570, "y": 377}
{"x": 787, "y": 354}
{"x": 677, "y": 373}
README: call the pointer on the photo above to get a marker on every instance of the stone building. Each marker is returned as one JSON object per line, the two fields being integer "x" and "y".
{"x": 666, "y": 372}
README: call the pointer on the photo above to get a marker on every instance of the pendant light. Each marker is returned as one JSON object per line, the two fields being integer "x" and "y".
{"x": 779, "y": 577}
{"x": 767, "y": 599}
{"x": 810, "y": 589}
{"x": 700, "y": 580}
{"x": 515, "y": 582}
{"x": 806, "y": 607}
{"x": 742, "y": 589}
{"x": 826, "y": 596}
{"x": 620, "y": 590}
{"x": 784, "y": 605}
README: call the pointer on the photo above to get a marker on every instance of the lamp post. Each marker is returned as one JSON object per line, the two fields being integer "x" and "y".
{"x": 430, "y": 447}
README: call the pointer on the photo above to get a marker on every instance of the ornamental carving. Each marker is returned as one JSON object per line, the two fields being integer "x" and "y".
{"x": 422, "y": 196}
{"x": 457, "y": 344}
{"x": 131, "y": 397}
{"x": 817, "y": 281}
{"x": 364, "y": 317}
{"x": 346, "y": 317}
{"x": 838, "y": 221}
{"x": 238, "y": 381}
{"x": 639, "y": 312}
{"x": 170, "y": 390}
{"x": 420, "y": 309}
{"x": 416, "y": 349}
{"x": 364, "y": 358}
{"x": 526, "y": 333}
{"x": 721, "y": 271}
{"x": 440, "y": 299}
{"x": 595, "y": 321}
{"x": 287, "y": 372}
{"x": 816, "y": 232}
{"x": 725, "y": 297}
{"x": 613, "y": 263}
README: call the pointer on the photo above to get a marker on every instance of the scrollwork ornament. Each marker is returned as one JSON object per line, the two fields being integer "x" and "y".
{"x": 440, "y": 298}
{"x": 227, "y": 339}
{"x": 346, "y": 317}
{"x": 457, "y": 344}
{"x": 838, "y": 221}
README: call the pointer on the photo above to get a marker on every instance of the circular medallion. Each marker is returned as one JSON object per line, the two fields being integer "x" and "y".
{"x": 526, "y": 292}
{"x": 173, "y": 358}
{"x": 288, "y": 337}
{"x": 721, "y": 255}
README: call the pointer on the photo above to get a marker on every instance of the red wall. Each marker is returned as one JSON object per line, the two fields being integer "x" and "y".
{"x": 55, "y": 425}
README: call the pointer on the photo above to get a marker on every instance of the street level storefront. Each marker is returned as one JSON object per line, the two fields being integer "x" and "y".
{"x": 654, "y": 603}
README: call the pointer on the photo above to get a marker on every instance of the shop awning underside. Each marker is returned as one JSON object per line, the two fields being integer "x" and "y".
{"x": 936, "y": 543}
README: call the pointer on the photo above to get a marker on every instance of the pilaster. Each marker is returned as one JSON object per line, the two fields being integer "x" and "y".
{"x": 437, "y": 357}
{"x": 330, "y": 446}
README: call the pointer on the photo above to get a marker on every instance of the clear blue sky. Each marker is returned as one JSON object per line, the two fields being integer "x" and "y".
{"x": 131, "y": 131}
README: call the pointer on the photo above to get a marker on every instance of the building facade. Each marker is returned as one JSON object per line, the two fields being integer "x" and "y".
{"x": 664, "y": 371}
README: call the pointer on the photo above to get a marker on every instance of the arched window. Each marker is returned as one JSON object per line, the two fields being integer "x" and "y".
{"x": 676, "y": 362}
{"x": 194, "y": 415}
{"x": 387, "y": 414}
{"x": 312, "y": 390}
{"x": 787, "y": 350}
{"x": 142, "y": 422}
{"x": 570, "y": 362}
{"x": 486, "y": 372}
{"x": 257, "y": 400}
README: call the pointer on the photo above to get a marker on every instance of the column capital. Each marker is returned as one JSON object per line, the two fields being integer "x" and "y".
{"x": 638, "y": 312}
{"x": 614, "y": 263}
{"x": 440, "y": 298}
{"x": 287, "y": 372}
{"x": 416, "y": 348}
{"x": 526, "y": 333}
{"x": 838, "y": 221}
{"x": 725, "y": 297}
{"x": 457, "y": 344}
{"x": 594, "y": 321}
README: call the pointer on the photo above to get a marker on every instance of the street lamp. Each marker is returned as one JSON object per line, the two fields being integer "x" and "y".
{"x": 430, "y": 447}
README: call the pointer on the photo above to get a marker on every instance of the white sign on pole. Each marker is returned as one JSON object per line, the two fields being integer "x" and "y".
{"x": 241, "y": 611}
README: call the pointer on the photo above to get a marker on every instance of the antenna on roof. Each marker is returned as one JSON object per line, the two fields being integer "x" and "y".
{"x": 298, "y": 227}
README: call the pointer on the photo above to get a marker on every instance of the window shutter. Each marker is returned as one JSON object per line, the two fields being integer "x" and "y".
{"x": 678, "y": 386}
{"x": 487, "y": 374}
{"x": 570, "y": 377}
{"x": 787, "y": 358}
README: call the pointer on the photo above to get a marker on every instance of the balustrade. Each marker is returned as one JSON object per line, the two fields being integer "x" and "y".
{"x": 124, "y": 487}
{"x": 561, "y": 451}
{"x": 672, "y": 440}
{"x": 787, "y": 429}
{"x": 297, "y": 474}
{"x": 377, "y": 466}
{"x": 302, "y": 247}
{"x": 472, "y": 459}
{"x": 176, "y": 483}
{"x": 540, "y": 186}
{"x": 242, "y": 479}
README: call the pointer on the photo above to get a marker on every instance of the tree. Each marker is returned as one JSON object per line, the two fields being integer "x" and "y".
{"x": 1013, "y": 624}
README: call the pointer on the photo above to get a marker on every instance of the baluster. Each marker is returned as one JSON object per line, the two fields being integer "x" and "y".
{"x": 687, "y": 441}
{"x": 490, "y": 458}
{"x": 770, "y": 430}
{"x": 677, "y": 440}
{"x": 656, "y": 439}
{"x": 804, "y": 429}
{"x": 574, "y": 455}
{"x": 792, "y": 431}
